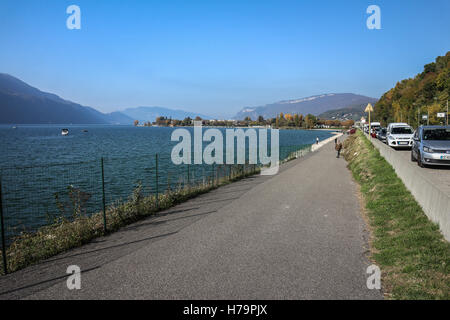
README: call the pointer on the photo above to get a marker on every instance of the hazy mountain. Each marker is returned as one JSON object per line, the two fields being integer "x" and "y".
{"x": 118, "y": 117}
{"x": 144, "y": 114}
{"x": 21, "y": 103}
{"x": 314, "y": 105}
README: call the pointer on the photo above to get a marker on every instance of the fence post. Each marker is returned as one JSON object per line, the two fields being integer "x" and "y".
{"x": 103, "y": 197}
{"x": 168, "y": 181}
{"x": 204, "y": 176}
{"x": 5, "y": 266}
{"x": 156, "y": 181}
{"x": 218, "y": 174}
{"x": 188, "y": 182}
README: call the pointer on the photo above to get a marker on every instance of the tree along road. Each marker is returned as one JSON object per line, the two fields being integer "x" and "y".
{"x": 296, "y": 235}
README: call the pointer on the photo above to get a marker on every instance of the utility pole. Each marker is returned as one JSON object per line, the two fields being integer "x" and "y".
{"x": 418, "y": 114}
{"x": 418, "y": 117}
{"x": 447, "y": 111}
{"x": 435, "y": 101}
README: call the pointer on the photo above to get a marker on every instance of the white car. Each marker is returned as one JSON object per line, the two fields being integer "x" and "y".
{"x": 399, "y": 135}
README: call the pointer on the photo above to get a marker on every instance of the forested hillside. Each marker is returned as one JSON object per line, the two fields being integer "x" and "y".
{"x": 412, "y": 98}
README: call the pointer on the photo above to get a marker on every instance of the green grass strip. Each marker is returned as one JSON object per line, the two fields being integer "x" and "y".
{"x": 409, "y": 249}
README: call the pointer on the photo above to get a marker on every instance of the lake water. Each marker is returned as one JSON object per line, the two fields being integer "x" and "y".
{"x": 38, "y": 165}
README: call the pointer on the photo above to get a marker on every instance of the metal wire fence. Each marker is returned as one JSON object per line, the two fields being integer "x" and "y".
{"x": 37, "y": 196}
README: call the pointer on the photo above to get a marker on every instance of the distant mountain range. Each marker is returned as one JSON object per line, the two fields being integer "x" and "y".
{"x": 316, "y": 105}
{"x": 21, "y": 103}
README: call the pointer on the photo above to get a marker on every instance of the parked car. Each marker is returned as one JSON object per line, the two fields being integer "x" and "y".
{"x": 431, "y": 146}
{"x": 399, "y": 135}
{"x": 381, "y": 134}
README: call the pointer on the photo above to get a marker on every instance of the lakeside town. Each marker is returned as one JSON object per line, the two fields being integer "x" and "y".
{"x": 286, "y": 121}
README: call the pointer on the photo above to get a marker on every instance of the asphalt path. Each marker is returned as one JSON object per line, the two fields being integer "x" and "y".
{"x": 296, "y": 235}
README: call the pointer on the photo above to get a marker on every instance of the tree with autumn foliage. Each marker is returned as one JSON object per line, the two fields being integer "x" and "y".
{"x": 411, "y": 98}
{"x": 310, "y": 121}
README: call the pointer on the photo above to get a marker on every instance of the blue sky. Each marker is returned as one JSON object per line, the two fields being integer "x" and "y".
{"x": 215, "y": 57}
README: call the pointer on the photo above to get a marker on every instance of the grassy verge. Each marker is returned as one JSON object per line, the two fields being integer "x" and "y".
{"x": 48, "y": 241}
{"x": 409, "y": 249}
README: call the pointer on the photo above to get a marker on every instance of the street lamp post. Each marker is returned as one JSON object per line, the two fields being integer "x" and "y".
{"x": 418, "y": 117}
{"x": 418, "y": 114}
{"x": 447, "y": 111}
{"x": 435, "y": 99}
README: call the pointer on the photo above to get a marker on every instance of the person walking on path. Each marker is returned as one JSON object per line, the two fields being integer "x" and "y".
{"x": 317, "y": 140}
{"x": 338, "y": 148}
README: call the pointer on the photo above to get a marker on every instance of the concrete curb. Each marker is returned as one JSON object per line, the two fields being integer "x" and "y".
{"x": 434, "y": 202}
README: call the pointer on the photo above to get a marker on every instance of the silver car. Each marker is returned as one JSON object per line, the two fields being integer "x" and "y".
{"x": 431, "y": 146}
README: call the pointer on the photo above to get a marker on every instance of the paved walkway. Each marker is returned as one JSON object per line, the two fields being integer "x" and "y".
{"x": 296, "y": 235}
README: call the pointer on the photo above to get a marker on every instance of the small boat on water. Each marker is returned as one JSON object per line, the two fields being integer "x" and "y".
{"x": 65, "y": 132}
{"x": 14, "y": 127}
